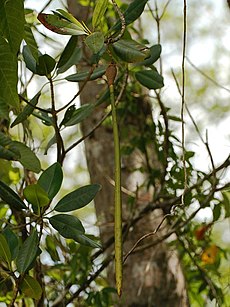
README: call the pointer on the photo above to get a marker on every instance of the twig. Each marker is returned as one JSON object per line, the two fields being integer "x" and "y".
{"x": 123, "y": 24}
{"x": 202, "y": 272}
{"x": 183, "y": 98}
{"x": 87, "y": 282}
{"x": 80, "y": 90}
{"x": 103, "y": 118}
{"x": 206, "y": 76}
{"x": 145, "y": 237}
{"x": 35, "y": 107}
{"x": 60, "y": 144}
{"x": 45, "y": 6}
{"x": 166, "y": 137}
{"x": 195, "y": 124}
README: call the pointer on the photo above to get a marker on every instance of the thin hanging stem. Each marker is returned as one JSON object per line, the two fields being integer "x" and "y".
{"x": 111, "y": 74}
{"x": 183, "y": 98}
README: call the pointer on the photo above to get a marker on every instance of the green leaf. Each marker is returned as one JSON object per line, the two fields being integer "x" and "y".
{"x": 12, "y": 240}
{"x": 45, "y": 65}
{"x": 29, "y": 59}
{"x": 226, "y": 203}
{"x": 216, "y": 212}
{"x": 51, "y": 248}
{"x": 8, "y": 75}
{"x": 51, "y": 179}
{"x": 9, "y": 152}
{"x": 70, "y": 18}
{"x": 12, "y": 22}
{"x": 70, "y": 56}
{"x": 60, "y": 25}
{"x": 95, "y": 42}
{"x": 20, "y": 152}
{"x": 51, "y": 142}
{"x": 83, "y": 239}
{"x": 78, "y": 198}
{"x": 150, "y": 79}
{"x": 45, "y": 117}
{"x": 10, "y": 197}
{"x": 133, "y": 11}
{"x": 27, "y": 252}
{"x": 28, "y": 158}
{"x": 68, "y": 226}
{"x": 130, "y": 51}
{"x": 30, "y": 287}
{"x": 99, "y": 12}
{"x": 81, "y": 76}
{"x": 155, "y": 52}
{"x": 36, "y": 195}
{"x": 27, "y": 111}
{"x": 77, "y": 115}
{"x": 4, "y": 109}
{"x": 5, "y": 141}
{"x": 30, "y": 41}
{"x": 5, "y": 253}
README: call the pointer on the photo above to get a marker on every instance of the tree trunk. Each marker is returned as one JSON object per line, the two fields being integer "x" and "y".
{"x": 153, "y": 276}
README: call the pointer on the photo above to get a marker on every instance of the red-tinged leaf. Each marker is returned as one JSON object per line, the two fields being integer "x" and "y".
{"x": 59, "y": 24}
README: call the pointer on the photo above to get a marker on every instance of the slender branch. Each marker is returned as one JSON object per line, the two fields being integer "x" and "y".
{"x": 86, "y": 283}
{"x": 183, "y": 98}
{"x": 59, "y": 140}
{"x": 79, "y": 91}
{"x": 145, "y": 237}
{"x": 157, "y": 19}
{"x": 35, "y": 107}
{"x": 195, "y": 125}
{"x": 123, "y": 24}
{"x": 16, "y": 289}
{"x": 166, "y": 137}
{"x": 103, "y": 118}
{"x": 206, "y": 76}
{"x": 200, "y": 269}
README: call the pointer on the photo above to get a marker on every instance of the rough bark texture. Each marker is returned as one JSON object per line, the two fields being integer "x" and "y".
{"x": 152, "y": 277}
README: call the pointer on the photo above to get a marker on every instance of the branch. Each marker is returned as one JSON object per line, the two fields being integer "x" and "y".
{"x": 206, "y": 76}
{"x": 80, "y": 90}
{"x": 103, "y": 118}
{"x": 145, "y": 237}
{"x": 123, "y": 24}
{"x": 183, "y": 99}
{"x": 85, "y": 284}
{"x": 201, "y": 270}
{"x": 59, "y": 140}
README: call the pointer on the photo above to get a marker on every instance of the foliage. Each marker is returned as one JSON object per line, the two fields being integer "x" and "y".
{"x": 31, "y": 230}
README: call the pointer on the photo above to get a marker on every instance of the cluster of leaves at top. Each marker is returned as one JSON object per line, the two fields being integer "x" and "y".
{"x": 125, "y": 49}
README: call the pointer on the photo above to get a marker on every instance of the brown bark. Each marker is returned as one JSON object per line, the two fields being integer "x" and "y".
{"x": 154, "y": 276}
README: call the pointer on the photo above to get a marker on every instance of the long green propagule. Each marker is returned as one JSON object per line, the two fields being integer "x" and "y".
{"x": 111, "y": 74}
